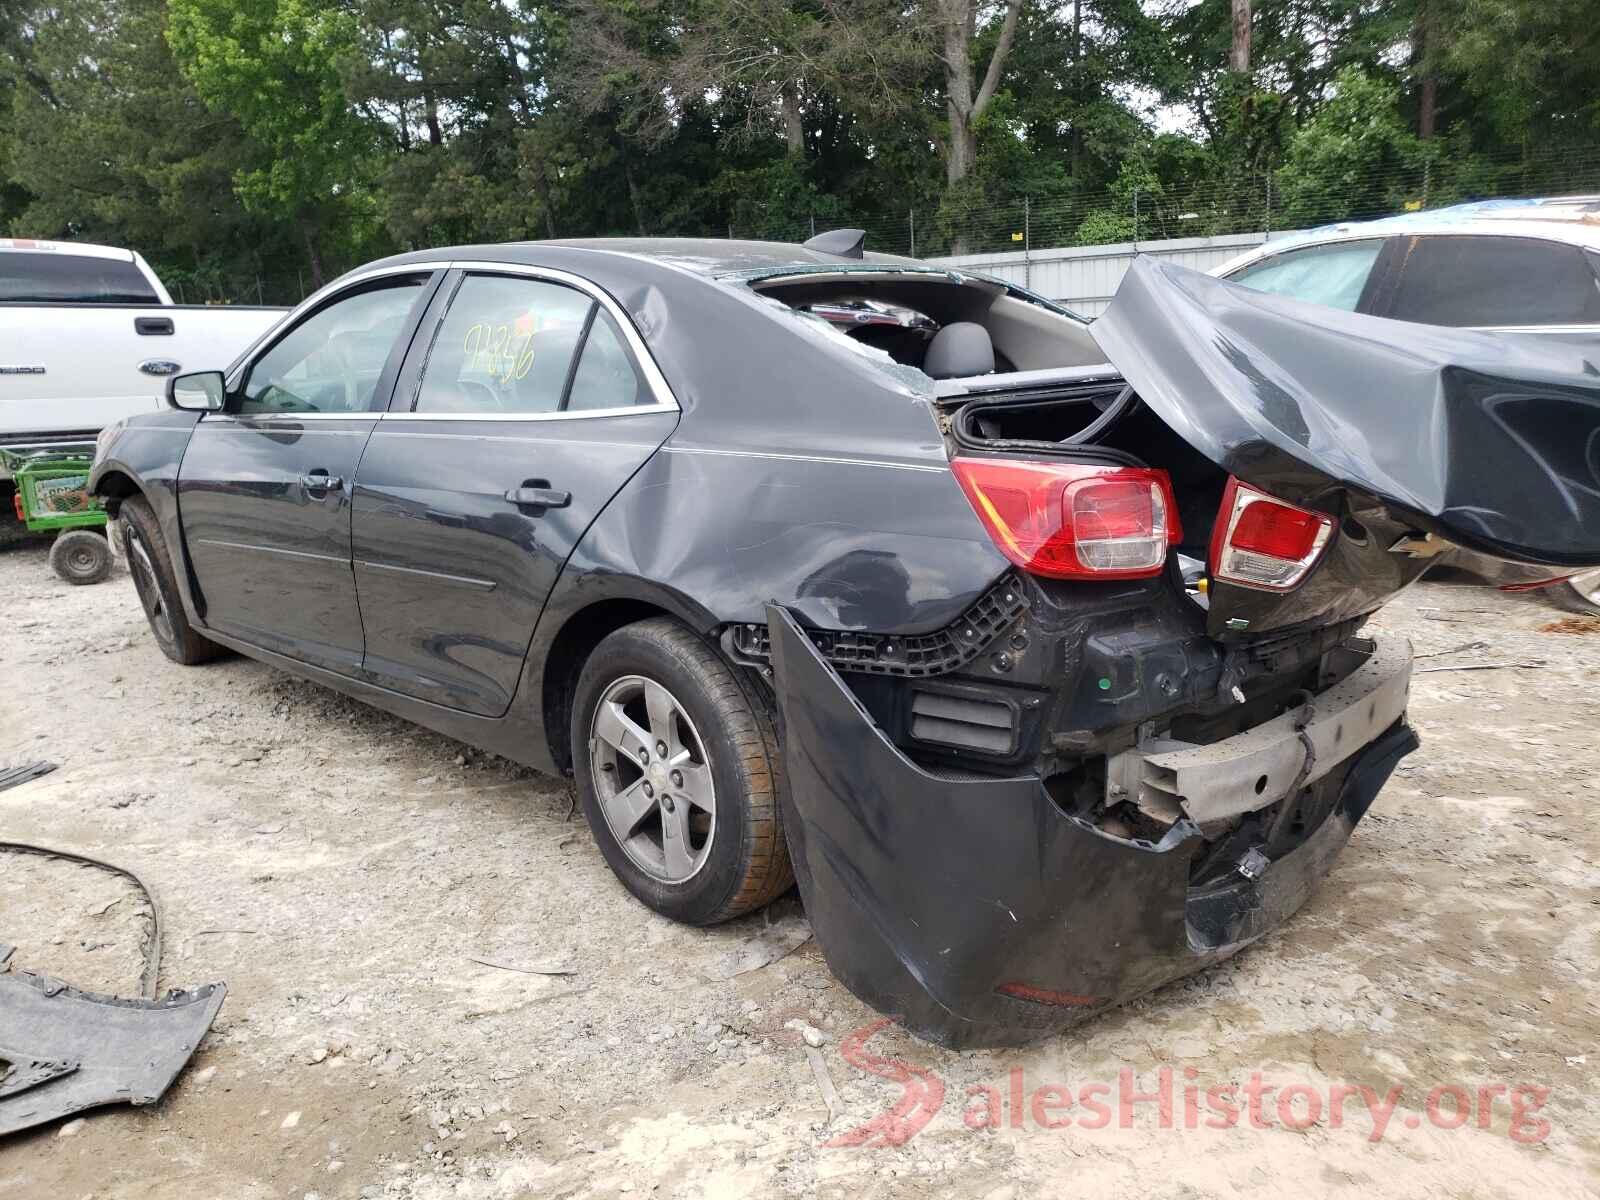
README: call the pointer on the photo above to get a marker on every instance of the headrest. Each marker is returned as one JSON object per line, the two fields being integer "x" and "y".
{"x": 960, "y": 349}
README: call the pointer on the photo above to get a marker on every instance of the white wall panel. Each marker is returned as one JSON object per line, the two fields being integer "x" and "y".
{"x": 1084, "y": 278}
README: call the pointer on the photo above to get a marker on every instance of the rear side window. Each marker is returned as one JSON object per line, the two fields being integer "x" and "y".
{"x": 505, "y": 346}
{"x": 1495, "y": 281}
{"x": 606, "y": 376}
{"x": 1334, "y": 275}
{"x": 47, "y": 277}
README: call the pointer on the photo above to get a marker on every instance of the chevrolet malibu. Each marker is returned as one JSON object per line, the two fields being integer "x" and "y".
{"x": 1031, "y": 649}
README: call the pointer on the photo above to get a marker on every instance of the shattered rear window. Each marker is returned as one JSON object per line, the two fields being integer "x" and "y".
{"x": 902, "y": 377}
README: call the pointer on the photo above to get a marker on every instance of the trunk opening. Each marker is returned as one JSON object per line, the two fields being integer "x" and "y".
{"x": 1063, "y": 422}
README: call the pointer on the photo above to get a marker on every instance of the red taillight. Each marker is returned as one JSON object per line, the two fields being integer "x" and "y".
{"x": 1068, "y": 521}
{"x": 1262, "y": 542}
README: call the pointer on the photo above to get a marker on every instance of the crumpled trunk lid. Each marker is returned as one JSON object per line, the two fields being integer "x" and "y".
{"x": 1485, "y": 441}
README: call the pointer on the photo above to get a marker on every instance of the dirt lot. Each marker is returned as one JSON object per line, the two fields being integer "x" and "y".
{"x": 350, "y": 877}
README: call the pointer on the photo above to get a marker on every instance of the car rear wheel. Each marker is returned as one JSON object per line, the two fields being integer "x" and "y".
{"x": 678, "y": 771}
{"x": 145, "y": 548}
{"x": 80, "y": 557}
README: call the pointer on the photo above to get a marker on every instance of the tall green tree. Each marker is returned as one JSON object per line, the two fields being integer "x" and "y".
{"x": 278, "y": 68}
{"x": 1529, "y": 69}
{"x": 108, "y": 142}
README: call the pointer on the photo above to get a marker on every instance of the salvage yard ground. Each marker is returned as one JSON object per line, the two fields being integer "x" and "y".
{"x": 352, "y": 879}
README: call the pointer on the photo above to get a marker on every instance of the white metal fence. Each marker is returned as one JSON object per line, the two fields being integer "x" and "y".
{"x": 1084, "y": 278}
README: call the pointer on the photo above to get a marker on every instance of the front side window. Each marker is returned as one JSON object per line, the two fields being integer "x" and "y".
{"x": 506, "y": 346}
{"x": 1334, "y": 275}
{"x": 1485, "y": 280}
{"x": 51, "y": 277}
{"x": 331, "y": 361}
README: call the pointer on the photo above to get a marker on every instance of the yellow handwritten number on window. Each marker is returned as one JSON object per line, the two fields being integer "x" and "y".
{"x": 495, "y": 350}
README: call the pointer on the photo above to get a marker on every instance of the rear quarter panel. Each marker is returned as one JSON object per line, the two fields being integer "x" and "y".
{"x": 801, "y": 471}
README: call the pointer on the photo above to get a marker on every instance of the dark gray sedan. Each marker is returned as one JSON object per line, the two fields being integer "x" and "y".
{"x": 1030, "y": 649}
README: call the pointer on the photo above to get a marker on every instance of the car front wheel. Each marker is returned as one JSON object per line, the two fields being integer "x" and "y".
{"x": 678, "y": 770}
{"x": 145, "y": 548}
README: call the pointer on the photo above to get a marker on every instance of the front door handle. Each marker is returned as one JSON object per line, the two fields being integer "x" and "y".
{"x": 321, "y": 481}
{"x": 537, "y": 493}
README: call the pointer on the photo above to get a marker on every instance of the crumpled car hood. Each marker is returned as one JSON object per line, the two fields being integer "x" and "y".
{"x": 1491, "y": 441}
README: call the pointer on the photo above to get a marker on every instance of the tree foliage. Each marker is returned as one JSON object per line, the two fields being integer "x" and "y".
{"x": 252, "y": 147}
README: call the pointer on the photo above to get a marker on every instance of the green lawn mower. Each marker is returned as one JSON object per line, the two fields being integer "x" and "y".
{"x": 52, "y": 495}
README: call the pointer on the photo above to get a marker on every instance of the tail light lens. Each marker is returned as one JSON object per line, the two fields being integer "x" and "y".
{"x": 1068, "y": 521}
{"x": 1262, "y": 542}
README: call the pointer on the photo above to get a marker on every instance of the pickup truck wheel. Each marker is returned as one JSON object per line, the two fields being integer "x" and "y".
{"x": 679, "y": 772}
{"x": 80, "y": 557}
{"x": 145, "y": 548}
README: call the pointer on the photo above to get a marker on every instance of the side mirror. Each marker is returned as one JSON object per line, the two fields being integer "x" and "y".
{"x": 200, "y": 391}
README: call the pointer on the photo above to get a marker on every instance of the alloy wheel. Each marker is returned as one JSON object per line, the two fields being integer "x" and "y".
{"x": 652, "y": 778}
{"x": 143, "y": 571}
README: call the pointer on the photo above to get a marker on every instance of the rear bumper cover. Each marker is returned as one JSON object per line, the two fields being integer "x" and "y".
{"x": 977, "y": 912}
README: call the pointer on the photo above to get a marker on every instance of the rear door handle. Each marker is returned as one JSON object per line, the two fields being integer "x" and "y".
{"x": 537, "y": 493}
{"x": 321, "y": 481}
{"x": 153, "y": 326}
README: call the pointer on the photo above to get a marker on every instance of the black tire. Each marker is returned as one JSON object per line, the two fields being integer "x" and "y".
{"x": 80, "y": 556}
{"x": 746, "y": 864}
{"x": 150, "y": 564}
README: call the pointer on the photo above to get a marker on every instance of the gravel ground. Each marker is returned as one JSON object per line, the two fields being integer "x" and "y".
{"x": 352, "y": 878}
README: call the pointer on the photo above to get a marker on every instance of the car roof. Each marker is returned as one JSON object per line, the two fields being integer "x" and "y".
{"x": 1571, "y": 219}
{"x": 84, "y": 249}
{"x": 1558, "y": 218}
{"x": 709, "y": 258}
{"x": 722, "y": 256}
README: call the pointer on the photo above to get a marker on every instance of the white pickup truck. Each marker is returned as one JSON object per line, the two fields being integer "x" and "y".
{"x": 88, "y": 336}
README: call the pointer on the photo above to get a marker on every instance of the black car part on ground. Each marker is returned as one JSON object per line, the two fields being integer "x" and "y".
{"x": 70, "y": 1050}
{"x": 150, "y": 977}
{"x": 10, "y": 777}
{"x": 64, "y": 1050}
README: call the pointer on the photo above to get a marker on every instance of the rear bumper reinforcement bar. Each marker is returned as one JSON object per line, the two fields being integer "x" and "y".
{"x": 1260, "y": 766}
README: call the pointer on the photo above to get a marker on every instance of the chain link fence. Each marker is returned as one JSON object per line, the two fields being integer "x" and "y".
{"x": 1248, "y": 204}
{"x": 1252, "y": 203}
{"x": 272, "y": 288}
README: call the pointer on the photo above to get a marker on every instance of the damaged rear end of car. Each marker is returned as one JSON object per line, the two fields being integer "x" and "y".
{"x": 1145, "y": 745}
